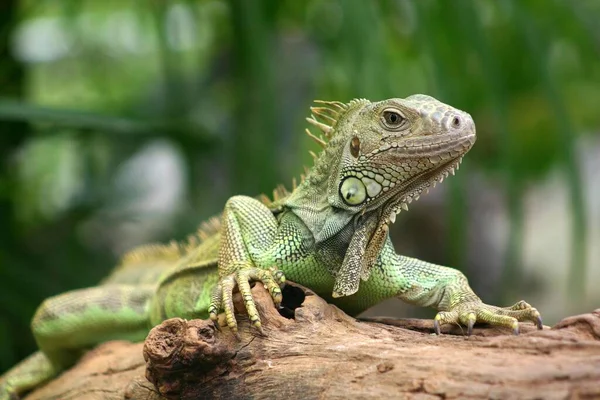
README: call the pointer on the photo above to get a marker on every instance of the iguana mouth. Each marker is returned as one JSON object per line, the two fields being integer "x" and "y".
{"x": 412, "y": 189}
{"x": 416, "y": 186}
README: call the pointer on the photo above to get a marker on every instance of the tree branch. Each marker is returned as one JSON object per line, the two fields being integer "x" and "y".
{"x": 323, "y": 353}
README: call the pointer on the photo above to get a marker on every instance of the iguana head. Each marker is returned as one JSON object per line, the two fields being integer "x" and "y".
{"x": 393, "y": 150}
{"x": 380, "y": 157}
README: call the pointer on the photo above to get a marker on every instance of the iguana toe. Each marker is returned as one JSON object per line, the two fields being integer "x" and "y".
{"x": 444, "y": 317}
{"x": 227, "y": 285}
{"x": 522, "y": 311}
{"x": 273, "y": 279}
{"x": 471, "y": 318}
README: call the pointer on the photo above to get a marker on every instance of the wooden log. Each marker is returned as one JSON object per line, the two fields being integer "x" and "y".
{"x": 316, "y": 351}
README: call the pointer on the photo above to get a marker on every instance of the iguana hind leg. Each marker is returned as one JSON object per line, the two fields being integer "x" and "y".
{"x": 26, "y": 375}
{"x": 248, "y": 230}
{"x": 67, "y": 324}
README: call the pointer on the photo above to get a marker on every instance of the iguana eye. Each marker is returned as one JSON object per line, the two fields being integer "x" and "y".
{"x": 392, "y": 119}
{"x": 353, "y": 191}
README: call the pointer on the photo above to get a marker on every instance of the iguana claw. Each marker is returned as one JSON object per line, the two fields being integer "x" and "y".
{"x": 516, "y": 329}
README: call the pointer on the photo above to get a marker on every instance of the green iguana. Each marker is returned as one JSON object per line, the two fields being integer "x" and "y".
{"x": 329, "y": 234}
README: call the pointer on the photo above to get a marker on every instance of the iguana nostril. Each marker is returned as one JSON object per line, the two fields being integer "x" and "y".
{"x": 456, "y": 123}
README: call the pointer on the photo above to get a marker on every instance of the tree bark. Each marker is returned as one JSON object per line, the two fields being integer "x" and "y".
{"x": 320, "y": 352}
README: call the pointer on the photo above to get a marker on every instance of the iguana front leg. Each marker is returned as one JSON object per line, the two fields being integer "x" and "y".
{"x": 447, "y": 290}
{"x": 248, "y": 232}
{"x": 429, "y": 285}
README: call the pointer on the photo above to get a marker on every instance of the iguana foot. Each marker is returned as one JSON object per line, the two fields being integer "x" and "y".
{"x": 6, "y": 392}
{"x": 222, "y": 296}
{"x": 470, "y": 313}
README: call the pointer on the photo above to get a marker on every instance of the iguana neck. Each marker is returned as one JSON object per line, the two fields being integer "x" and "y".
{"x": 310, "y": 199}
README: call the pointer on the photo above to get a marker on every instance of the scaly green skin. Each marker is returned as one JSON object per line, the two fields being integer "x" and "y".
{"x": 330, "y": 234}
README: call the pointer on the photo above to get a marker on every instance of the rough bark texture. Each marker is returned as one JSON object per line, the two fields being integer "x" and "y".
{"x": 322, "y": 353}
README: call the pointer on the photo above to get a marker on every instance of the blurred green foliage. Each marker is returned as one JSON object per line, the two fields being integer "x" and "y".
{"x": 88, "y": 86}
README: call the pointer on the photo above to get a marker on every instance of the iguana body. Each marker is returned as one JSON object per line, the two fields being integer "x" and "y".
{"x": 329, "y": 234}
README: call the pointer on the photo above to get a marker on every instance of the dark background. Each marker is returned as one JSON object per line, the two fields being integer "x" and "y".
{"x": 125, "y": 122}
